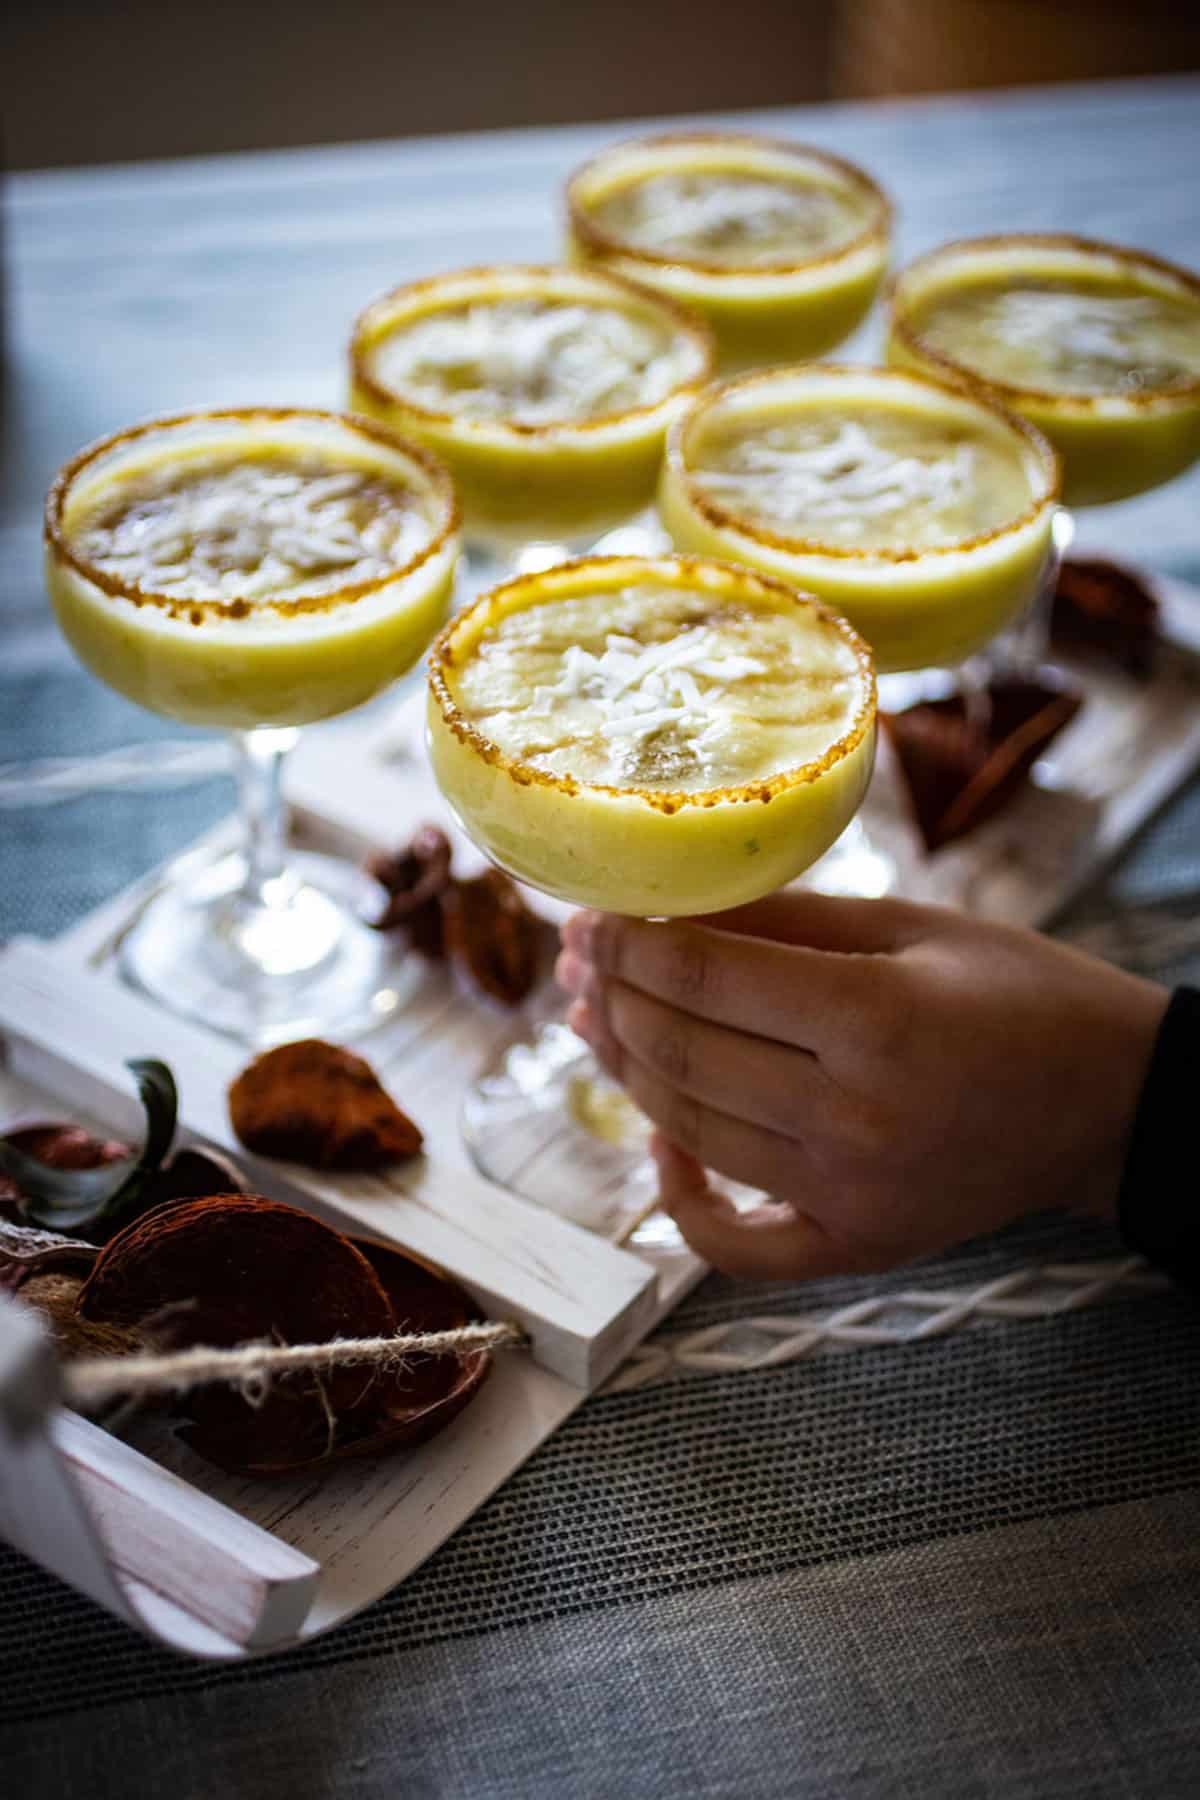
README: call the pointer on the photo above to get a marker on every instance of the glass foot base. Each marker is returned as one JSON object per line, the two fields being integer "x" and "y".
{"x": 546, "y": 1123}
{"x": 304, "y": 965}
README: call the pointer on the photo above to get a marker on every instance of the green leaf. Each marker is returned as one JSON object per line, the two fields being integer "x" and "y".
{"x": 68, "y": 1199}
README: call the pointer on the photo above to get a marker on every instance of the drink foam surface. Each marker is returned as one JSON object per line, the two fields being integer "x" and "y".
{"x": 1067, "y": 336}
{"x": 657, "y": 687}
{"x": 262, "y": 524}
{"x": 739, "y": 218}
{"x": 532, "y": 361}
{"x": 862, "y": 477}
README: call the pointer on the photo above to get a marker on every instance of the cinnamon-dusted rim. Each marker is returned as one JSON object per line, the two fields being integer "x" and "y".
{"x": 729, "y": 580}
{"x": 606, "y": 243}
{"x": 440, "y": 486}
{"x": 723, "y": 519}
{"x": 1012, "y": 393}
{"x": 408, "y": 298}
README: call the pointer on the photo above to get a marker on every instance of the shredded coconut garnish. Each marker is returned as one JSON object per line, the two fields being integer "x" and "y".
{"x": 721, "y": 214}
{"x": 253, "y": 528}
{"x": 1070, "y": 337}
{"x": 648, "y": 686}
{"x": 879, "y": 480}
{"x": 643, "y": 688}
{"x": 535, "y": 361}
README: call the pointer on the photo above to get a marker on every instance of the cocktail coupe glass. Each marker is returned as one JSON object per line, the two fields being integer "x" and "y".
{"x": 674, "y": 669}
{"x": 255, "y": 570}
{"x": 781, "y": 248}
{"x": 921, "y": 512}
{"x": 1096, "y": 345}
{"x": 546, "y": 390}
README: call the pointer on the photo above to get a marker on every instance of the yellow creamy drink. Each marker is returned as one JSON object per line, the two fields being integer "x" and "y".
{"x": 250, "y": 568}
{"x": 651, "y": 735}
{"x": 921, "y": 513}
{"x": 548, "y": 391}
{"x": 1100, "y": 347}
{"x": 779, "y": 246}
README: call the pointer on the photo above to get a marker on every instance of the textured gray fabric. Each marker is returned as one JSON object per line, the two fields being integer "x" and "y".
{"x": 1058, "y": 1659}
{"x": 701, "y": 1481}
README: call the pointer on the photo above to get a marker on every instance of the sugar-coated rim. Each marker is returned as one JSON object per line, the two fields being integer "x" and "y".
{"x": 722, "y": 519}
{"x": 730, "y": 578}
{"x": 617, "y": 289}
{"x": 438, "y": 476}
{"x": 606, "y": 243}
{"x": 1013, "y": 393}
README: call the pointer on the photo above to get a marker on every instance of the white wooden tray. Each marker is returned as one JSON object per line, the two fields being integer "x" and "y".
{"x": 223, "y": 1566}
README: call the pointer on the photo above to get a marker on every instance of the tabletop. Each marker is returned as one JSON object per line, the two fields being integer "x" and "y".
{"x": 963, "y": 1566}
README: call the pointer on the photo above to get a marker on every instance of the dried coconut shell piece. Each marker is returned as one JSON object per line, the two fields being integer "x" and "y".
{"x": 958, "y": 775}
{"x": 315, "y": 1103}
{"x": 231, "y": 1269}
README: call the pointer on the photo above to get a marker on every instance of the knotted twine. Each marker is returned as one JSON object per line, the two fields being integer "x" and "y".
{"x": 92, "y": 1382}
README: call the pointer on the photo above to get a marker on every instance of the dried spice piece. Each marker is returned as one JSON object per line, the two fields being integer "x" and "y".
{"x": 494, "y": 935}
{"x": 415, "y": 878}
{"x": 1102, "y": 607}
{"x": 958, "y": 775}
{"x": 315, "y": 1103}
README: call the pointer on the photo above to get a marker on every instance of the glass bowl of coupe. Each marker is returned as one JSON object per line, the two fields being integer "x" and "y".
{"x": 547, "y": 391}
{"x": 658, "y": 736}
{"x": 922, "y": 513}
{"x": 1096, "y": 345}
{"x": 779, "y": 246}
{"x": 255, "y": 570}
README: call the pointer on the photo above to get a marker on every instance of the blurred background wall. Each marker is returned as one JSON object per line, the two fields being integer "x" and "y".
{"x": 110, "y": 80}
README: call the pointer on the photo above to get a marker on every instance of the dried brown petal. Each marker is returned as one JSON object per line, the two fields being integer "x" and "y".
{"x": 315, "y": 1103}
{"x": 491, "y": 931}
{"x": 415, "y": 878}
{"x": 1102, "y": 607}
{"x": 957, "y": 775}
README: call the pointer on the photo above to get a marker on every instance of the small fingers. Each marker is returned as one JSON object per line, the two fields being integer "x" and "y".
{"x": 750, "y": 1153}
{"x": 806, "y": 998}
{"x": 768, "y": 1243}
{"x": 832, "y": 923}
{"x": 752, "y": 1078}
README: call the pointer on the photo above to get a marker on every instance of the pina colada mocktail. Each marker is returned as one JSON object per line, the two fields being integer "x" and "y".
{"x": 1098, "y": 346}
{"x": 548, "y": 391}
{"x": 649, "y": 735}
{"x": 922, "y": 513}
{"x": 254, "y": 570}
{"x": 779, "y": 246}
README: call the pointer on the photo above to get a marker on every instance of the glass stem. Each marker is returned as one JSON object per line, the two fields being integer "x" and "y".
{"x": 974, "y": 685}
{"x": 259, "y": 758}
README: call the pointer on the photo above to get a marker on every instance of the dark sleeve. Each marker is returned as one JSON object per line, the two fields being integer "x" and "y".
{"x": 1157, "y": 1209}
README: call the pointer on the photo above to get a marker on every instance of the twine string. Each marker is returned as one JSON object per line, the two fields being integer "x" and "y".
{"x": 91, "y": 1382}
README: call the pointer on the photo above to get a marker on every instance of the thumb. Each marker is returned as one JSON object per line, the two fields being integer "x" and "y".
{"x": 771, "y": 1242}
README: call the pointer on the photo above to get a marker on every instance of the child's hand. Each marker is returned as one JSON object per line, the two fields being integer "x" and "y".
{"x": 897, "y": 1077}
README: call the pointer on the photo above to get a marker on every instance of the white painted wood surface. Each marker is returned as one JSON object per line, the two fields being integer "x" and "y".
{"x": 176, "y": 1547}
{"x": 583, "y": 1302}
